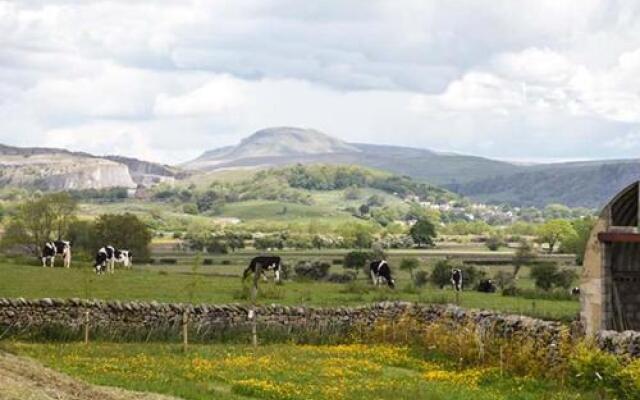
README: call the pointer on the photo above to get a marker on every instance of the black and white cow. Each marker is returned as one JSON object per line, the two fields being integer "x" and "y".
{"x": 102, "y": 261}
{"x": 575, "y": 291}
{"x": 380, "y": 270}
{"x": 486, "y": 286}
{"x": 108, "y": 256}
{"x": 124, "y": 257}
{"x": 456, "y": 279}
{"x": 56, "y": 248}
{"x": 266, "y": 263}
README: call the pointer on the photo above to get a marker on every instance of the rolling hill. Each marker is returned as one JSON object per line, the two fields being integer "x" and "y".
{"x": 584, "y": 184}
{"x": 287, "y": 145}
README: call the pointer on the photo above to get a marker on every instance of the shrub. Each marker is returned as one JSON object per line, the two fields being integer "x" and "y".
{"x": 421, "y": 278}
{"x": 441, "y": 274}
{"x": 226, "y": 262}
{"x": 593, "y": 369}
{"x": 337, "y": 261}
{"x": 471, "y": 276}
{"x": 547, "y": 276}
{"x": 315, "y": 271}
{"x": 494, "y": 242}
{"x": 168, "y": 261}
{"x": 356, "y": 260}
{"x": 207, "y": 261}
{"x": 504, "y": 279}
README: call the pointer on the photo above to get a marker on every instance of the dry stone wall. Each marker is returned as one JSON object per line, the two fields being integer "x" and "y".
{"x": 21, "y": 315}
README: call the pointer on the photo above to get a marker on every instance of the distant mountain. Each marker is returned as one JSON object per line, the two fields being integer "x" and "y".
{"x": 287, "y": 145}
{"x": 56, "y": 169}
{"x": 580, "y": 184}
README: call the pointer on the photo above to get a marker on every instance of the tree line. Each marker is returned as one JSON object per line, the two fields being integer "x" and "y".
{"x": 55, "y": 216}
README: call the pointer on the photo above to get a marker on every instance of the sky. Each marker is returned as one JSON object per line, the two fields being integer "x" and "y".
{"x": 166, "y": 80}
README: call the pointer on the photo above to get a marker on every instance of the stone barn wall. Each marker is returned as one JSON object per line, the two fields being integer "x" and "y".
{"x": 20, "y": 315}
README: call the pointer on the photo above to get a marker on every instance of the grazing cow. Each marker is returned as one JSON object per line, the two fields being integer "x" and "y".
{"x": 124, "y": 257}
{"x": 456, "y": 279}
{"x": 486, "y": 286}
{"x": 267, "y": 263}
{"x": 380, "y": 270}
{"x": 102, "y": 261}
{"x": 56, "y": 248}
{"x": 108, "y": 256}
{"x": 575, "y": 291}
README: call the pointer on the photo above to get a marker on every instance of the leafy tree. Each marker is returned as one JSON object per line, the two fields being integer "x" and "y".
{"x": 577, "y": 243}
{"x": 554, "y": 231}
{"x": 441, "y": 274}
{"x": 38, "y": 220}
{"x": 410, "y": 264}
{"x": 423, "y": 232}
{"x": 356, "y": 260}
{"x": 234, "y": 241}
{"x": 363, "y": 239}
{"x": 124, "y": 231}
{"x": 544, "y": 275}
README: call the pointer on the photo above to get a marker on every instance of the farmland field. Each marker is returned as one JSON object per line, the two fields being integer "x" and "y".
{"x": 222, "y": 284}
{"x": 286, "y": 371}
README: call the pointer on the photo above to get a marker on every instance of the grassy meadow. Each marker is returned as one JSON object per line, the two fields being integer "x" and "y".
{"x": 287, "y": 371}
{"x": 222, "y": 284}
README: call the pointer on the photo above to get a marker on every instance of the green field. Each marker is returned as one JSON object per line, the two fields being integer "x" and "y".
{"x": 222, "y": 284}
{"x": 286, "y": 371}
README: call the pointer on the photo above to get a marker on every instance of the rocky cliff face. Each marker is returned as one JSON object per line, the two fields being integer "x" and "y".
{"x": 147, "y": 173}
{"x": 52, "y": 169}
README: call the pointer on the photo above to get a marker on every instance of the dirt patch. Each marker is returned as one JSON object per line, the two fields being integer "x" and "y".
{"x": 24, "y": 379}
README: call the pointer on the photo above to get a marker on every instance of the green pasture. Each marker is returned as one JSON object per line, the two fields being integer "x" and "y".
{"x": 222, "y": 284}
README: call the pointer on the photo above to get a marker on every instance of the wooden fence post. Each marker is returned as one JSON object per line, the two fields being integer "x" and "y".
{"x": 86, "y": 327}
{"x": 185, "y": 330}
{"x": 252, "y": 313}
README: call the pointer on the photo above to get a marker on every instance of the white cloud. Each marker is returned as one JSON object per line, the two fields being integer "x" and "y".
{"x": 524, "y": 79}
{"x": 220, "y": 94}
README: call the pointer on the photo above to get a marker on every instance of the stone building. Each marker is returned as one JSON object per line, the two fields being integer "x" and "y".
{"x": 610, "y": 283}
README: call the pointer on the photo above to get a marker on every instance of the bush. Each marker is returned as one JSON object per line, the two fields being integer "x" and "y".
{"x": 547, "y": 276}
{"x": 494, "y": 242}
{"x": 421, "y": 278}
{"x": 503, "y": 279}
{"x": 207, "y": 261}
{"x": 337, "y": 261}
{"x": 226, "y": 262}
{"x": 356, "y": 260}
{"x": 471, "y": 276}
{"x": 593, "y": 369}
{"x": 168, "y": 261}
{"x": 441, "y": 274}
{"x": 315, "y": 271}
